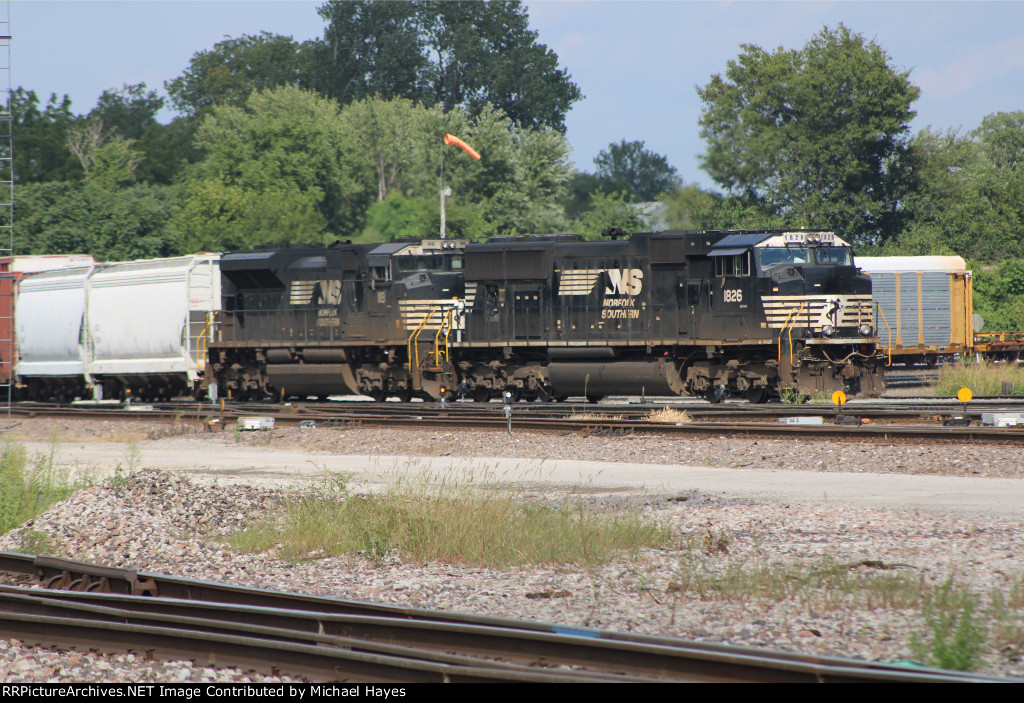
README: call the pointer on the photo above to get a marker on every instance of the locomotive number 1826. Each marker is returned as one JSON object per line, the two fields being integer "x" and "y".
{"x": 732, "y": 295}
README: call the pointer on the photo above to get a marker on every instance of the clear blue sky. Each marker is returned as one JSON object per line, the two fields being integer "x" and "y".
{"x": 637, "y": 62}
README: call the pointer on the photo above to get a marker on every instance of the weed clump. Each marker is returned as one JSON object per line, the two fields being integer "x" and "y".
{"x": 457, "y": 521}
{"x": 958, "y": 634}
{"x": 983, "y": 379}
{"x": 669, "y": 414}
{"x": 30, "y": 486}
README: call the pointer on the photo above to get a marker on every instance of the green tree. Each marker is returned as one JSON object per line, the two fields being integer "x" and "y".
{"x": 273, "y": 170}
{"x": 131, "y": 110}
{"x": 608, "y": 211}
{"x": 234, "y": 68}
{"x": 528, "y": 200}
{"x": 108, "y": 159}
{"x": 577, "y": 192}
{"x": 397, "y": 217}
{"x": 1000, "y": 181}
{"x": 370, "y": 49}
{"x": 82, "y": 218}
{"x": 515, "y": 188}
{"x": 395, "y": 141}
{"x": 131, "y": 113}
{"x": 41, "y": 137}
{"x": 1001, "y": 136}
{"x": 816, "y": 136}
{"x": 943, "y": 204}
{"x": 452, "y": 54}
{"x": 641, "y": 174}
{"x": 967, "y": 194}
{"x": 214, "y": 215}
{"x": 999, "y": 294}
{"x": 692, "y": 207}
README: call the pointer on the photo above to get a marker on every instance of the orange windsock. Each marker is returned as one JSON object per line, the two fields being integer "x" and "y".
{"x": 455, "y": 141}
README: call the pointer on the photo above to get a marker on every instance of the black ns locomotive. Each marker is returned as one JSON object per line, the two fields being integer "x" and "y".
{"x": 706, "y": 313}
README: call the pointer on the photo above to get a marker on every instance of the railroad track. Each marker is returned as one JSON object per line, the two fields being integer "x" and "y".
{"x": 921, "y": 422}
{"x": 334, "y": 639}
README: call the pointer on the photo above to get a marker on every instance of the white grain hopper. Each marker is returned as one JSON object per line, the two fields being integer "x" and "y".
{"x": 49, "y": 328}
{"x": 149, "y": 322}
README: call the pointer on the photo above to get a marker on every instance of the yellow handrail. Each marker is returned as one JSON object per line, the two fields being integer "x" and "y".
{"x": 415, "y": 337}
{"x": 201, "y": 339}
{"x": 783, "y": 330}
{"x": 446, "y": 319}
{"x": 888, "y": 348}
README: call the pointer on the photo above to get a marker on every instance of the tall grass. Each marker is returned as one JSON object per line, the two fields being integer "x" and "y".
{"x": 985, "y": 378}
{"x": 959, "y": 625}
{"x": 456, "y": 521}
{"x": 958, "y": 631}
{"x": 821, "y": 585}
{"x": 30, "y": 486}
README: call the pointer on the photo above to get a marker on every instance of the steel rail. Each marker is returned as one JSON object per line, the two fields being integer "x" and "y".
{"x": 611, "y": 425}
{"x": 194, "y": 412}
{"x": 254, "y": 653}
{"x": 211, "y": 623}
{"x": 522, "y": 643}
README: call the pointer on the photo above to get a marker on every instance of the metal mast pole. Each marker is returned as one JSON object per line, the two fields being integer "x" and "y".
{"x": 6, "y": 215}
{"x": 442, "y": 190}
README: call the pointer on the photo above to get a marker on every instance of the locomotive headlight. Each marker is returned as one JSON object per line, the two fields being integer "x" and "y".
{"x": 828, "y": 330}
{"x": 866, "y": 330}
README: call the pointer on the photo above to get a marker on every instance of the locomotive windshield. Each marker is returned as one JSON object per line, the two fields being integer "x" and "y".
{"x": 426, "y": 262}
{"x": 835, "y": 255}
{"x": 775, "y": 256}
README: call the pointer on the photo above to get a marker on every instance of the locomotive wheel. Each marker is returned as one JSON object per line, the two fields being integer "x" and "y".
{"x": 403, "y": 394}
{"x": 481, "y": 394}
{"x": 594, "y": 398}
{"x": 757, "y": 395}
{"x": 377, "y": 394}
{"x": 712, "y": 397}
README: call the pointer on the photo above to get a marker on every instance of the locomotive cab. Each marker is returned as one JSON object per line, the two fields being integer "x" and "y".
{"x": 808, "y": 281}
{"x": 416, "y": 310}
{"x": 820, "y": 306}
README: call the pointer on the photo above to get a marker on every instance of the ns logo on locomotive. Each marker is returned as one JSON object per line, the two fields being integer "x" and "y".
{"x": 704, "y": 313}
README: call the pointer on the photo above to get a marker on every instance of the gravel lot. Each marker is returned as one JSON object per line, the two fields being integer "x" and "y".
{"x": 166, "y": 523}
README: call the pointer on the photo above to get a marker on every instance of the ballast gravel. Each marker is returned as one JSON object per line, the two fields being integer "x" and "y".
{"x": 164, "y": 523}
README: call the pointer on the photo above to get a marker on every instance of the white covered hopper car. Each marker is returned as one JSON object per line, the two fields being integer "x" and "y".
{"x": 137, "y": 329}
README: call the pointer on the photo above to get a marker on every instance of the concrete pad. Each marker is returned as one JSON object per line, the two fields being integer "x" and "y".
{"x": 995, "y": 498}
